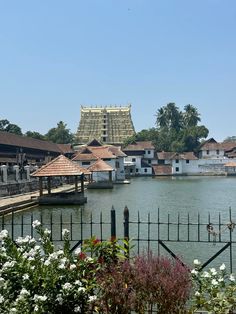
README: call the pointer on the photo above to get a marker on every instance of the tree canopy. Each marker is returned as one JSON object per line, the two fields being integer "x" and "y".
{"x": 6, "y": 126}
{"x": 179, "y": 130}
{"x": 34, "y": 134}
{"x": 60, "y": 134}
{"x": 175, "y": 130}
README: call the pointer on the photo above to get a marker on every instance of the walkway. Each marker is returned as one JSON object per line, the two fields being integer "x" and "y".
{"x": 20, "y": 201}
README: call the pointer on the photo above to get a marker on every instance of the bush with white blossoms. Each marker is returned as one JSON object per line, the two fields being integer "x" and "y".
{"x": 214, "y": 290}
{"x": 37, "y": 277}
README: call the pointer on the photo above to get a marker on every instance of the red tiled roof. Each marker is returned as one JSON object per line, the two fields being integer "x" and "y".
{"x": 60, "y": 166}
{"x": 230, "y": 164}
{"x": 11, "y": 139}
{"x": 85, "y": 155}
{"x": 100, "y": 166}
{"x": 184, "y": 156}
{"x": 102, "y": 152}
{"x": 165, "y": 155}
{"x": 142, "y": 145}
{"x": 66, "y": 148}
{"x": 116, "y": 151}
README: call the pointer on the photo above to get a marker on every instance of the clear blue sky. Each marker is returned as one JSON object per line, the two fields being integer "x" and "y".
{"x": 56, "y": 55}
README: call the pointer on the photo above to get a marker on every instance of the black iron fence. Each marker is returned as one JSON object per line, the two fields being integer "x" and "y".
{"x": 212, "y": 235}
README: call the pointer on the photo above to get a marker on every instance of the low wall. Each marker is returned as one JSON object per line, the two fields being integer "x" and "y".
{"x": 9, "y": 189}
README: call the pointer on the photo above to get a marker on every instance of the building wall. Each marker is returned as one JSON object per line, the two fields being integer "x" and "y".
{"x": 211, "y": 153}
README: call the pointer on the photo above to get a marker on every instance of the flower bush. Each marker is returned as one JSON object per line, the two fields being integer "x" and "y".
{"x": 143, "y": 284}
{"x": 36, "y": 277}
{"x": 214, "y": 290}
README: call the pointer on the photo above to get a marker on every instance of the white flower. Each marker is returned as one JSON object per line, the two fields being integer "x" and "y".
{"x": 24, "y": 292}
{"x": 92, "y": 298}
{"x": 40, "y": 297}
{"x": 78, "y": 251}
{"x": 1, "y": 299}
{"x": 231, "y": 277}
{"x": 3, "y": 234}
{"x": 78, "y": 283}
{"x": 47, "y": 232}
{"x": 47, "y": 262}
{"x": 214, "y": 282}
{"x": 36, "y": 308}
{"x": 65, "y": 232}
{"x": 59, "y": 299}
{"x": 36, "y": 223}
{"x": 8, "y": 264}
{"x": 206, "y": 274}
{"x": 194, "y": 272}
{"x": 222, "y": 267}
{"x": 221, "y": 279}
{"x": 81, "y": 289}
{"x": 13, "y": 310}
{"x": 77, "y": 309}
{"x": 25, "y": 277}
{"x": 197, "y": 294}
{"x": 72, "y": 266}
{"x": 67, "y": 286}
{"x": 213, "y": 271}
{"x": 196, "y": 262}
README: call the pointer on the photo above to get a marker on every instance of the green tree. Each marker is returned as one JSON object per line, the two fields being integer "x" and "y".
{"x": 144, "y": 135}
{"x": 191, "y": 117}
{"x": 6, "y": 126}
{"x": 34, "y": 134}
{"x": 179, "y": 130}
{"x": 60, "y": 134}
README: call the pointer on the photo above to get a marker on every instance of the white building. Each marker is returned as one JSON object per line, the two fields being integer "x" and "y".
{"x": 112, "y": 155}
{"x": 139, "y": 158}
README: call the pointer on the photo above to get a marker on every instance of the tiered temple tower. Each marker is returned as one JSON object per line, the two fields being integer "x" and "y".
{"x": 109, "y": 125}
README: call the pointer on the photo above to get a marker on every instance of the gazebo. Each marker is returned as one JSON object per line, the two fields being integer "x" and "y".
{"x": 61, "y": 167}
{"x": 101, "y": 175}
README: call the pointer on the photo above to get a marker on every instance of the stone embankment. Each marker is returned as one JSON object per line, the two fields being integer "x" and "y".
{"x": 22, "y": 201}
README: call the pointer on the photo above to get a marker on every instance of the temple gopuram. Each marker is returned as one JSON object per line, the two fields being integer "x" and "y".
{"x": 110, "y": 125}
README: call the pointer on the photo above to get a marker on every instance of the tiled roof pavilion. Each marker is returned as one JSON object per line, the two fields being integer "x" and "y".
{"x": 60, "y": 166}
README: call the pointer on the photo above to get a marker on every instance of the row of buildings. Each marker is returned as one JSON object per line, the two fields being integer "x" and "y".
{"x": 115, "y": 163}
{"x": 100, "y": 135}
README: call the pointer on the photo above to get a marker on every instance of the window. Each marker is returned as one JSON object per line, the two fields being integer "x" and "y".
{"x": 133, "y": 159}
{"x": 145, "y": 170}
{"x": 217, "y": 152}
{"x": 177, "y": 169}
{"x": 149, "y": 152}
{"x": 131, "y": 171}
{"x": 104, "y": 139}
{"x": 149, "y": 161}
{"x": 104, "y": 132}
{"x": 187, "y": 161}
{"x": 117, "y": 164}
{"x": 136, "y": 170}
{"x": 207, "y": 152}
{"x": 85, "y": 163}
{"x": 176, "y": 161}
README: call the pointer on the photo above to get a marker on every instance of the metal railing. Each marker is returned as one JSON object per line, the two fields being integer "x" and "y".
{"x": 161, "y": 234}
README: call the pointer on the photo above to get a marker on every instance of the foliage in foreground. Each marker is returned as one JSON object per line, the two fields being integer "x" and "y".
{"x": 37, "y": 277}
{"x": 215, "y": 290}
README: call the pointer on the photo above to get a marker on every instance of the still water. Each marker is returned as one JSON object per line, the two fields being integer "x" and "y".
{"x": 183, "y": 196}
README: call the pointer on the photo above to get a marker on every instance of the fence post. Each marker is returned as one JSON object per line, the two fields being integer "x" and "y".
{"x": 126, "y": 230}
{"x": 113, "y": 224}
